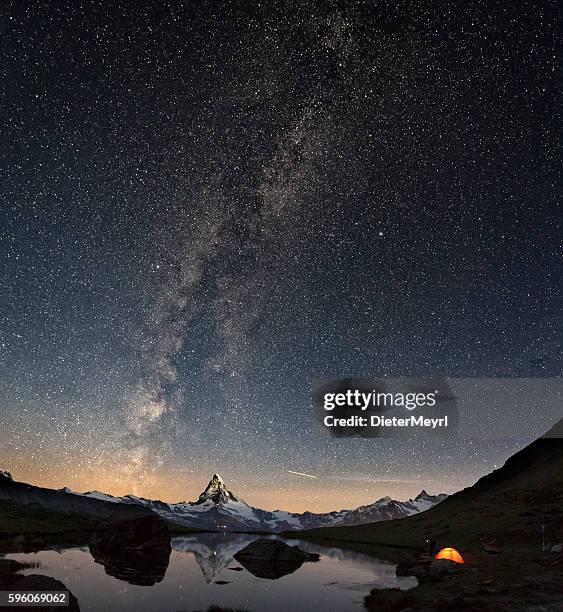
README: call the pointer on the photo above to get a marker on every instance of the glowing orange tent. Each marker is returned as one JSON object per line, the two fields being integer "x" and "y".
{"x": 450, "y": 554}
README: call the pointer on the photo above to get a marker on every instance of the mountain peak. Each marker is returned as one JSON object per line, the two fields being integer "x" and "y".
{"x": 6, "y": 474}
{"x": 217, "y": 492}
{"x": 382, "y": 500}
{"x": 422, "y": 495}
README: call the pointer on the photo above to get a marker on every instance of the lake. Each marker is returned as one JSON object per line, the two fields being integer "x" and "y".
{"x": 199, "y": 574}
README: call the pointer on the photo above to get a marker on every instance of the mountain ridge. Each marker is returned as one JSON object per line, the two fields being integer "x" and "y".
{"x": 219, "y": 508}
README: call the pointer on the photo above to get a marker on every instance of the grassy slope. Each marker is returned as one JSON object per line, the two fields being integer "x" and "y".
{"x": 17, "y": 519}
{"x": 510, "y": 505}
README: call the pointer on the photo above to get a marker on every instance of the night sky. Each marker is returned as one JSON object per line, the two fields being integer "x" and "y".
{"x": 207, "y": 205}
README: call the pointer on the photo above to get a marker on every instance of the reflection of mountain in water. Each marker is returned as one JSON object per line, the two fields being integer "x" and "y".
{"x": 338, "y": 554}
{"x": 212, "y": 551}
{"x": 383, "y": 571}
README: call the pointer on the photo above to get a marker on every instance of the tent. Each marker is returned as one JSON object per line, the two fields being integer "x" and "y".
{"x": 451, "y": 554}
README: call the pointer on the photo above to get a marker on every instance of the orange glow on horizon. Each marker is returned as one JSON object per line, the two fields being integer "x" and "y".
{"x": 179, "y": 483}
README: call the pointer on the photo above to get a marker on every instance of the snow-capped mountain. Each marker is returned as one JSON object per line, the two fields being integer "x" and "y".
{"x": 219, "y": 508}
{"x": 386, "y": 509}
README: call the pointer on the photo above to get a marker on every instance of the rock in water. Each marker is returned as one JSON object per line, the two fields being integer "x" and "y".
{"x": 272, "y": 558}
{"x": 274, "y": 550}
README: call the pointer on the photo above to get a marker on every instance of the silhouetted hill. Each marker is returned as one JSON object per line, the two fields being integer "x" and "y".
{"x": 510, "y": 504}
{"x": 537, "y": 466}
{"x": 71, "y": 510}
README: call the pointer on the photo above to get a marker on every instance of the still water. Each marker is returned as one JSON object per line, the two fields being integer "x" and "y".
{"x": 200, "y": 574}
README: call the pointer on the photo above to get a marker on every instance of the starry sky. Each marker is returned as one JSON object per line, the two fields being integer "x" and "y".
{"x": 206, "y": 206}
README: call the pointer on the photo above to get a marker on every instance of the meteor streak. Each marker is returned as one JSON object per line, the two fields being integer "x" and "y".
{"x": 301, "y": 474}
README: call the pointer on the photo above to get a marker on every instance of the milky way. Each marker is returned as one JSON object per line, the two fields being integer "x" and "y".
{"x": 206, "y": 206}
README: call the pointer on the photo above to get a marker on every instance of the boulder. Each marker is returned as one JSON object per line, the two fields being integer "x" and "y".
{"x": 418, "y": 566}
{"x": 272, "y": 559}
{"x": 438, "y": 567}
{"x": 425, "y": 568}
{"x": 274, "y": 550}
{"x": 390, "y": 600}
{"x": 412, "y": 566}
{"x": 437, "y": 570}
{"x": 491, "y": 547}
